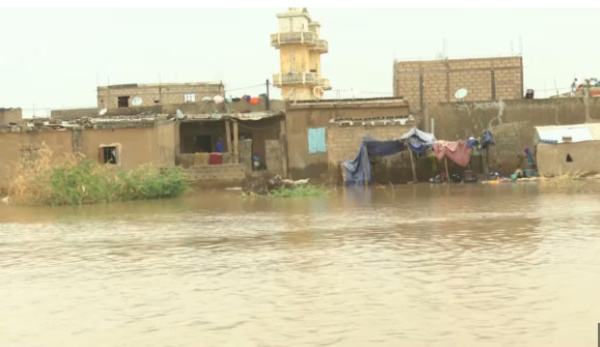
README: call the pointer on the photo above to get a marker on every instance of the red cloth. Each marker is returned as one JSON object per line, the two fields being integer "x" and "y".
{"x": 254, "y": 101}
{"x": 215, "y": 158}
{"x": 457, "y": 151}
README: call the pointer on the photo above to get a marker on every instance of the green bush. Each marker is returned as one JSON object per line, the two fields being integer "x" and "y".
{"x": 87, "y": 182}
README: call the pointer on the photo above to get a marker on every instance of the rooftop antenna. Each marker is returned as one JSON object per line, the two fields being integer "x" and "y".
{"x": 444, "y": 49}
{"x": 512, "y": 52}
{"x": 520, "y": 46}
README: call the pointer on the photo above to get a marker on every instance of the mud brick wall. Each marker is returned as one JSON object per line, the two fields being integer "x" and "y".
{"x": 218, "y": 175}
{"x": 274, "y": 157}
{"x": 436, "y": 81}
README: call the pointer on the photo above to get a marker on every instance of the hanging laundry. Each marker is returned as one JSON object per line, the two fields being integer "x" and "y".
{"x": 254, "y": 101}
{"x": 418, "y": 140}
{"x": 215, "y": 158}
{"x": 246, "y": 97}
{"x": 488, "y": 139}
{"x": 457, "y": 151}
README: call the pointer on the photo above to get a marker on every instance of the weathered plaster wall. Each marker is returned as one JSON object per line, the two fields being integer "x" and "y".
{"x": 12, "y": 144}
{"x": 552, "y": 159}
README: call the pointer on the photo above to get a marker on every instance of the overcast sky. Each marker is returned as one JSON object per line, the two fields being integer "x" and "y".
{"x": 55, "y": 58}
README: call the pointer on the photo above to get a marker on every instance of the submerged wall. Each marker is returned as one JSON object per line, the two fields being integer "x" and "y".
{"x": 153, "y": 145}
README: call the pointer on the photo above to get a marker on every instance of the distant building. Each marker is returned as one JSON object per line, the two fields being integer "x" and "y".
{"x": 135, "y": 95}
{"x": 10, "y": 115}
{"x": 567, "y": 149}
{"x": 434, "y": 81}
{"x": 300, "y": 50}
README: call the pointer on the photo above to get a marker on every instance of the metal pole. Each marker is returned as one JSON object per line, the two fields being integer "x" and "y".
{"x": 268, "y": 96}
{"x": 412, "y": 165}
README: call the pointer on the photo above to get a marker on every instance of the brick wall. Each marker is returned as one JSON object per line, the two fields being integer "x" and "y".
{"x": 343, "y": 143}
{"x": 218, "y": 175}
{"x": 152, "y": 94}
{"x": 485, "y": 79}
{"x": 300, "y": 117}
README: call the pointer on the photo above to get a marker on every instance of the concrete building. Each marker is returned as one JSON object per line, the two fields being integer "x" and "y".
{"x": 10, "y": 115}
{"x": 300, "y": 47}
{"x": 486, "y": 79}
{"x": 322, "y": 134}
{"x": 574, "y": 151}
{"x": 135, "y": 95}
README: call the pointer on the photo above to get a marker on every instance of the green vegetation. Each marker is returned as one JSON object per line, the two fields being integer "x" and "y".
{"x": 75, "y": 181}
{"x": 299, "y": 192}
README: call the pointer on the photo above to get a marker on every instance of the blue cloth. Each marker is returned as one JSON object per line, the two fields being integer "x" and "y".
{"x": 488, "y": 139}
{"x": 316, "y": 140}
{"x": 220, "y": 148}
{"x": 383, "y": 148}
{"x": 418, "y": 140}
{"x": 471, "y": 143}
{"x": 358, "y": 170}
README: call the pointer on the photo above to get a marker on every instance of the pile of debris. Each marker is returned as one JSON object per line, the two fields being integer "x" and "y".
{"x": 262, "y": 184}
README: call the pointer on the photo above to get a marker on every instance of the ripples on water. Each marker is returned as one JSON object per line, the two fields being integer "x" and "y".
{"x": 414, "y": 266}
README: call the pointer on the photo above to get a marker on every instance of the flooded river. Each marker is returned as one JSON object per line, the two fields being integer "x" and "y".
{"x": 471, "y": 265}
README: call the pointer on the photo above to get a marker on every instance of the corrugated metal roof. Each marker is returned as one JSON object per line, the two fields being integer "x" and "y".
{"x": 577, "y": 132}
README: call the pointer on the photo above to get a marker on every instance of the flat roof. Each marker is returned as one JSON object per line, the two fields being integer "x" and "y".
{"x": 577, "y": 132}
{"x": 154, "y": 85}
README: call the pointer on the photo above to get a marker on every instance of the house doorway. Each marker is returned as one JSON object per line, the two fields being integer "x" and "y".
{"x": 202, "y": 143}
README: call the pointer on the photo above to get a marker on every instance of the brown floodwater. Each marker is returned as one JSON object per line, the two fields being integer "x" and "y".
{"x": 425, "y": 265}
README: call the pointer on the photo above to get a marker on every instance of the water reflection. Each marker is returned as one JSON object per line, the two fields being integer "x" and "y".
{"x": 426, "y": 265}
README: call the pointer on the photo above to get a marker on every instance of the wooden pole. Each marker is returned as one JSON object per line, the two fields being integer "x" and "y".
{"x": 446, "y": 166}
{"x": 284, "y": 152}
{"x": 236, "y": 148}
{"x": 228, "y": 135}
{"x": 412, "y": 166}
{"x": 365, "y": 163}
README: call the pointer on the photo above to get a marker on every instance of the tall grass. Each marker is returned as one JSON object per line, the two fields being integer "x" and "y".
{"x": 72, "y": 180}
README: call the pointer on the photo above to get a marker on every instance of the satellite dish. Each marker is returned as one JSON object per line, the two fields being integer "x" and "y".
{"x": 179, "y": 114}
{"x": 460, "y": 94}
{"x": 137, "y": 101}
{"x": 102, "y": 112}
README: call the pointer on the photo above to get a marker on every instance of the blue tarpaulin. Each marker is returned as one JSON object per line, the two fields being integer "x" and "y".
{"x": 383, "y": 148}
{"x": 358, "y": 170}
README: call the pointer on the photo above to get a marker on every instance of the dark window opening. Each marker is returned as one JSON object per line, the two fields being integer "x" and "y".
{"x": 109, "y": 155}
{"x": 123, "y": 101}
{"x": 569, "y": 159}
{"x": 313, "y": 71}
{"x": 202, "y": 143}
